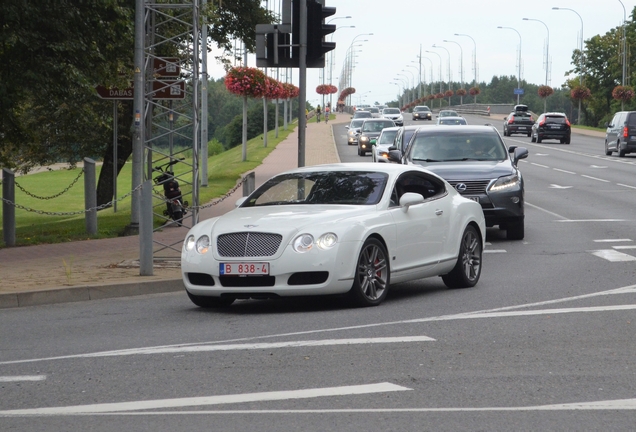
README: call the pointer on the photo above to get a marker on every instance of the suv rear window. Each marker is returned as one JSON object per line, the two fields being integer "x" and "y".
{"x": 555, "y": 119}
{"x": 631, "y": 119}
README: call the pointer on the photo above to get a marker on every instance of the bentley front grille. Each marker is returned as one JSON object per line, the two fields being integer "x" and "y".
{"x": 248, "y": 244}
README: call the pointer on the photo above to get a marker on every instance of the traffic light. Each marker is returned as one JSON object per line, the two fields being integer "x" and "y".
{"x": 316, "y": 32}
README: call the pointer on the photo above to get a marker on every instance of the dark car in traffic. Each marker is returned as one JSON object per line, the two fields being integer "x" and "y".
{"x": 518, "y": 122}
{"x": 620, "y": 135}
{"x": 369, "y": 132}
{"x": 422, "y": 112}
{"x": 477, "y": 163}
{"x": 551, "y": 125}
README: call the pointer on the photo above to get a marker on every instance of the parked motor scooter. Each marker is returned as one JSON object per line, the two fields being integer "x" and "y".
{"x": 176, "y": 208}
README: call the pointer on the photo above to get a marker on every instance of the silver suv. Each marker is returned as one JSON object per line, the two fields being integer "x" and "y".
{"x": 620, "y": 136}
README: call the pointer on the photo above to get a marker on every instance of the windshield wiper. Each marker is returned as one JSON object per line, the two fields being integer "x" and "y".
{"x": 427, "y": 160}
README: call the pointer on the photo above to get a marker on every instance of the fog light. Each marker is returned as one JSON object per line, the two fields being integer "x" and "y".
{"x": 515, "y": 200}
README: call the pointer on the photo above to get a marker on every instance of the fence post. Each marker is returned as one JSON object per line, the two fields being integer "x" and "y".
{"x": 145, "y": 229}
{"x": 8, "y": 207}
{"x": 90, "y": 196}
{"x": 250, "y": 184}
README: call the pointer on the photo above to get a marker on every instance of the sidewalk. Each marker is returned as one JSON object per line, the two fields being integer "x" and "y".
{"x": 97, "y": 269}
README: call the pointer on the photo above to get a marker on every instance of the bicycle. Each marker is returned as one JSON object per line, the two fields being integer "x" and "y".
{"x": 327, "y": 116}
{"x": 318, "y": 117}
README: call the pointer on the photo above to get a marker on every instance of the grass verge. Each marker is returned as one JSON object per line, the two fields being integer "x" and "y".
{"x": 61, "y": 219}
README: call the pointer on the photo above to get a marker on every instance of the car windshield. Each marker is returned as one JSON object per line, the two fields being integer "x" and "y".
{"x": 374, "y": 110}
{"x": 375, "y": 126}
{"x": 521, "y": 116}
{"x": 447, "y": 114}
{"x": 355, "y": 124}
{"x": 421, "y": 109}
{"x": 321, "y": 187}
{"x": 387, "y": 137}
{"x": 457, "y": 147}
{"x": 391, "y": 111}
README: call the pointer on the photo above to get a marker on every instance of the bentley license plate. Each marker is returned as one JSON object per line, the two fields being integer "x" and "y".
{"x": 244, "y": 269}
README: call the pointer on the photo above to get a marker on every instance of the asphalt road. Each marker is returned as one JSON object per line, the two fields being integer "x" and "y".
{"x": 545, "y": 341}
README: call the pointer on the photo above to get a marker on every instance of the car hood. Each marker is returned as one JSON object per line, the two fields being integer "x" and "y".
{"x": 470, "y": 170}
{"x": 283, "y": 219}
{"x": 371, "y": 134}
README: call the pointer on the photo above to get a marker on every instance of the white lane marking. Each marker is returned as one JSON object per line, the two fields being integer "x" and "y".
{"x": 612, "y": 240}
{"x": 494, "y": 251}
{"x": 22, "y": 378}
{"x": 624, "y": 247}
{"x": 546, "y": 211}
{"x": 598, "y": 166}
{"x": 539, "y": 165}
{"x": 613, "y": 255}
{"x": 629, "y": 289}
{"x": 563, "y": 171}
{"x": 209, "y": 400}
{"x": 593, "y": 220}
{"x": 627, "y": 186}
{"x": 216, "y": 346}
{"x": 619, "y": 404}
{"x": 595, "y": 178}
{"x": 555, "y": 186}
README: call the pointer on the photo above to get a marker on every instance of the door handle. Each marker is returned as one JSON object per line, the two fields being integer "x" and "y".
{"x": 439, "y": 212}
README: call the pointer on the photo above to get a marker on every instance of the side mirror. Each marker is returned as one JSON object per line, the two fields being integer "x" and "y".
{"x": 519, "y": 153}
{"x": 608, "y": 125}
{"x": 408, "y": 199}
{"x": 347, "y": 127}
{"x": 395, "y": 156}
{"x": 240, "y": 201}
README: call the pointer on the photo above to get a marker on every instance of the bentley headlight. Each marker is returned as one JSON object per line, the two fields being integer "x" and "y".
{"x": 303, "y": 243}
{"x": 364, "y": 138}
{"x": 189, "y": 243}
{"x": 203, "y": 244}
{"x": 506, "y": 182}
{"x": 327, "y": 241}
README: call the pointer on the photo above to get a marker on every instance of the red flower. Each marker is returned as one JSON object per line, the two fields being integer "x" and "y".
{"x": 545, "y": 91}
{"x": 439, "y": 95}
{"x": 580, "y": 92}
{"x": 449, "y": 93}
{"x": 325, "y": 89}
{"x": 245, "y": 81}
{"x": 291, "y": 91}
{"x": 474, "y": 91}
{"x": 346, "y": 92}
{"x": 461, "y": 92}
{"x": 623, "y": 93}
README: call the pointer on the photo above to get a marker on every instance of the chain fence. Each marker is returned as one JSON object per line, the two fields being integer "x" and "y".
{"x": 52, "y": 196}
{"x": 110, "y": 203}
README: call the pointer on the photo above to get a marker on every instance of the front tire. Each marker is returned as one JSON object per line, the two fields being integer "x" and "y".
{"x": 372, "y": 275}
{"x": 539, "y": 139}
{"x": 207, "y": 302}
{"x": 533, "y": 138}
{"x": 608, "y": 152}
{"x": 467, "y": 270}
{"x": 515, "y": 230}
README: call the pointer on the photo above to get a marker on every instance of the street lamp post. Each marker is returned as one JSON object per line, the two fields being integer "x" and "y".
{"x": 441, "y": 90}
{"x": 519, "y": 70}
{"x": 413, "y": 84}
{"x": 331, "y": 61}
{"x": 474, "y": 57}
{"x": 547, "y": 59}
{"x": 403, "y": 90}
{"x": 419, "y": 83}
{"x": 578, "y": 119}
{"x": 449, "y": 68}
{"x": 399, "y": 95}
{"x": 431, "y": 78}
{"x": 408, "y": 90}
{"x": 461, "y": 68}
{"x": 624, "y": 49}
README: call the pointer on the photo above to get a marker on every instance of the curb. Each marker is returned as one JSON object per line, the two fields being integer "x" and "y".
{"x": 92, "y": 292}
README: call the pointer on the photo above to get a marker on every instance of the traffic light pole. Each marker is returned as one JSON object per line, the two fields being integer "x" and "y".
{"x": 302, "y": 83}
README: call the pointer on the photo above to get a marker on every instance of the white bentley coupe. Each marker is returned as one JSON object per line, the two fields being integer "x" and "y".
{"x": 350, "y": 228}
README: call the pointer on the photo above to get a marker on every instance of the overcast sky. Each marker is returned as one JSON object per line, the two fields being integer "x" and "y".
{"x": 401, "y": 27}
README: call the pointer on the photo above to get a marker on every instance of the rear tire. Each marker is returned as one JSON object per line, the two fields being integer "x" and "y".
{"x": 467, "y": 270}
{"x": 533, "y": 138}
{"x": 210, "y": 302}
{"x": 621, "y": 153}
{"x": 372, "y": 275}
{"x": 567, "y": 140}
{"x": 539, "y": 139}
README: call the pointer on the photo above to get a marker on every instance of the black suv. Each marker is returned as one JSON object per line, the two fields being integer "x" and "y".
{"x": 552, "y": 125}
{"x": 518, "y": 122}
{"x": 476, "y": 162}
{"x": 620, "y": 136}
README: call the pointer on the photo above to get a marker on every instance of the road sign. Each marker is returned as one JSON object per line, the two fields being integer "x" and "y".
{"x": 518, "y": 91}
{"x": 166, "y": 67}
{"x": 160, "y": 90}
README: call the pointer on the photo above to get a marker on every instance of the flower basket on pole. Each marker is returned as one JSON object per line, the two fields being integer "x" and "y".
{"x": 545, "y": 91}
{"x": 474, "y": 91}
{"x": 449, "y": 94}
{"x": 461, "y": 93}
{"x": 623, "y": 93}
